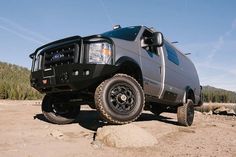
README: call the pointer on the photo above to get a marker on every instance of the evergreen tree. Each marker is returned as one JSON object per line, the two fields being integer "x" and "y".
{"x": 15, "y": 83}
{"x": 211, "y": 94}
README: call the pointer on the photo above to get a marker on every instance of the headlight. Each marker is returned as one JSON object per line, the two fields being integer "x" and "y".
{"x": 100, "y": 53}
{"x": 37, "y": 63}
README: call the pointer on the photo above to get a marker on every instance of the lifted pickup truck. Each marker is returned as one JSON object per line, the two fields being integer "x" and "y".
{"x": 119, "y": 73}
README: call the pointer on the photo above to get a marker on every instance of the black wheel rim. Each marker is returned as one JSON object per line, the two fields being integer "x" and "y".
{"x": 121, "y": 98}
{"x": 63, "y": 109}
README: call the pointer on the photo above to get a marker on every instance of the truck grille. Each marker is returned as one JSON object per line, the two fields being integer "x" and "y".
{"x": 65, "y": 54}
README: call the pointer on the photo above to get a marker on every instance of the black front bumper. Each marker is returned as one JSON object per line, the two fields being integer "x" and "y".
{"x": 71, "y": 77}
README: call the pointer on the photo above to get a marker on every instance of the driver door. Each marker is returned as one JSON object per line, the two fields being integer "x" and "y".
{"x": 152, "y": 65}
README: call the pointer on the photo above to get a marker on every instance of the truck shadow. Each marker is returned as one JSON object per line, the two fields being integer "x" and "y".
{"x": 152, "y": 117}
{"x": 87, "y": 119}
{"x": 91, "y": 119}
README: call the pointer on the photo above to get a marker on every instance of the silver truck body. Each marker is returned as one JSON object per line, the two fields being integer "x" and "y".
{"x": 162, "y": 78}
{"x": 119, "y": 73}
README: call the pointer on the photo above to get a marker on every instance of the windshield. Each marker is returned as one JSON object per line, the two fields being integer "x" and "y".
{"x": 128, "y": 33}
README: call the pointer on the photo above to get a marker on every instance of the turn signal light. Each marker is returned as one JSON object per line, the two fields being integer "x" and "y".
{"x": 45, "y": 81}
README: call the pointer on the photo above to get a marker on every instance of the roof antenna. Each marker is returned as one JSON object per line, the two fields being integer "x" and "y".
{"x": 174, "y": 42}
{"x": 106, "y": 12}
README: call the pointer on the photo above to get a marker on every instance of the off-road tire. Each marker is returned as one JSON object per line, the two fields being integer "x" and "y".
{"x": 185, "y": 113}
{"x": 108, "y": 103}
{"x": 50, "y": 113}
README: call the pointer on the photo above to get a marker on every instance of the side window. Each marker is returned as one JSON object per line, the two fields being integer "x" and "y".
{"x": 171, "y": 54}
{"x": 146, "y": 42}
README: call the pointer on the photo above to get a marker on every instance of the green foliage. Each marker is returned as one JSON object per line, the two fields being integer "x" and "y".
{"x": 211, "y": 94}
{"x": 15, "y": 83}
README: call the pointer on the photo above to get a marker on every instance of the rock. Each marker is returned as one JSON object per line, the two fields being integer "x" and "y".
{"x": 224, "y": 111}
{"x": 221, "y": 110}
{"x": 57, "y": 134}
{"x": 231, "y": 112}
{"x": 208, "y": 113}
{"x": 123, "y": 136}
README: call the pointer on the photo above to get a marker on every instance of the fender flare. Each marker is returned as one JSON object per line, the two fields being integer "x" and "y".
{"x": 124, "y": 59}
{"x": 130, "y": 61}
{"x": 188, "y": 90}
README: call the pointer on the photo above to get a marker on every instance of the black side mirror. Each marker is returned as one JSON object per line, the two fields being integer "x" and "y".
{"x": 158, "y": 39}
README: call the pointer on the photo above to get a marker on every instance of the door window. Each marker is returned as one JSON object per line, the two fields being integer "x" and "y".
{"x": 146, "y": 42}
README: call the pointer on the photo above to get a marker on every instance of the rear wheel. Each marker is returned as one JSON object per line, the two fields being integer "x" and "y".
{"x": 120, "y": 99}
{"x": 185, "y": 113}
{"x": 59, "y": 112}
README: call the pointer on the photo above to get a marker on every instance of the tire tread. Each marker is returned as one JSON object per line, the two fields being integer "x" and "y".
{"x": 99, "y": 102}
{"x": 182, "y": 114}
{"x": 56, "y": 119}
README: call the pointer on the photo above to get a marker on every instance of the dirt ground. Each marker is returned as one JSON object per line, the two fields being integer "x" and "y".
{"x": 25, "y": 133}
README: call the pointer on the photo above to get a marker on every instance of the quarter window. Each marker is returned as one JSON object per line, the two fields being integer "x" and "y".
{"x": 171, "y": 54}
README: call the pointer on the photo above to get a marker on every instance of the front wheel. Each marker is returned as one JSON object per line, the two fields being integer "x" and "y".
{"x": 57, "y": 112}
{"x": 120, "y": 99}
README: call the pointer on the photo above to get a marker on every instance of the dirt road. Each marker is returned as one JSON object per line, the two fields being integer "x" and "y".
{"x": 25, "y": 133}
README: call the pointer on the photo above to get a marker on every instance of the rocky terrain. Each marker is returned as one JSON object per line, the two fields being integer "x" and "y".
{"x": 25, "y": 133}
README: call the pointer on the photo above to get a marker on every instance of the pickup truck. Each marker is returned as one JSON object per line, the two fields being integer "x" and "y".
{"x": 119, "y": 73}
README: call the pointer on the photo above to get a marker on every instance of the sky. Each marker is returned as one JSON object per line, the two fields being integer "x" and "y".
{"x": 204, "y": 28}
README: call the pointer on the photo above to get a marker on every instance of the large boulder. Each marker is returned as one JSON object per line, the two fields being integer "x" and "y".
{"x": 224, "y": 111}
{"x": 231, "y": 112}
{"x": 221, "y": 110}
{"x": 122, "y": 136}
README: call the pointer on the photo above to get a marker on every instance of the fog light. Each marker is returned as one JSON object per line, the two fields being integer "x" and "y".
{"x": 86, "y": 72}
{"x": 76, "y": 73}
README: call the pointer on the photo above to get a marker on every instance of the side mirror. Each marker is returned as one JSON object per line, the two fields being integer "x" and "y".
{"x": 158, "y": 39}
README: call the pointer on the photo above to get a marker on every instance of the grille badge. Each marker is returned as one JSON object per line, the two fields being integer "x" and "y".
{"x": 57, "y": 56}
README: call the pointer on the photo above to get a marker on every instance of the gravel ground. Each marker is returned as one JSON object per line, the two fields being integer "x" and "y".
{"x": 25, "y": 133}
